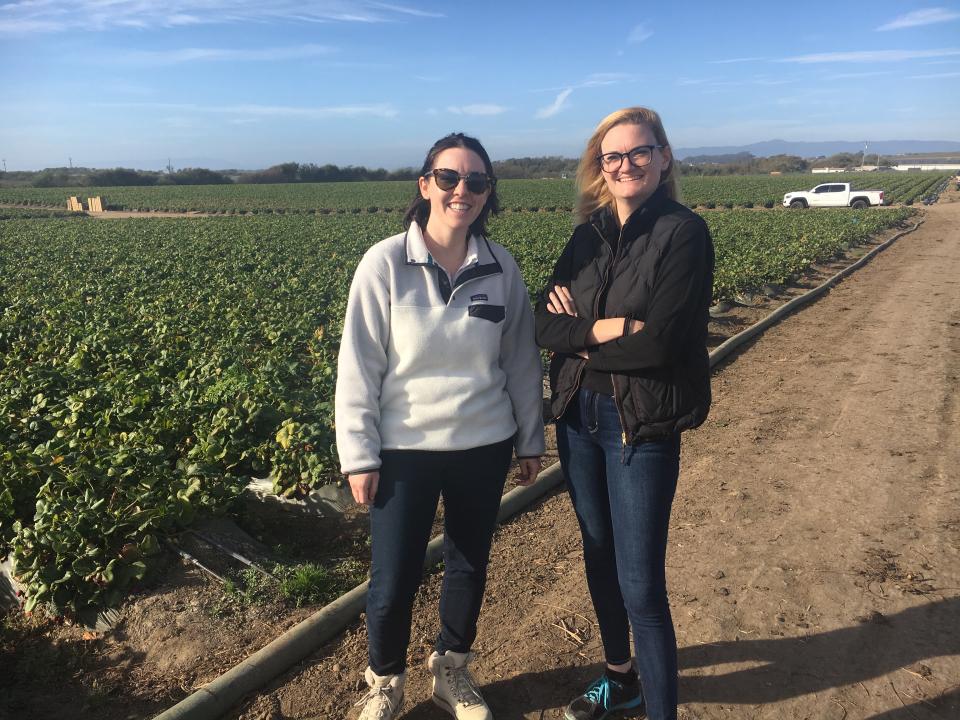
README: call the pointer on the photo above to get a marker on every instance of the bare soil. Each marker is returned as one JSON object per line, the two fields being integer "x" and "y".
{"x": 813, "y": 568}
{"x": 119, "y": 214}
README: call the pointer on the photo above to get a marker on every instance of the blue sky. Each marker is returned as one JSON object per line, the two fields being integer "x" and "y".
{"x": 251, "y": 83}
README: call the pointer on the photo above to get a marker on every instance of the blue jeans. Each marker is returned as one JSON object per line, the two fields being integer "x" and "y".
{"x": 622, "y": 497}
{"x": 401, "y": 517}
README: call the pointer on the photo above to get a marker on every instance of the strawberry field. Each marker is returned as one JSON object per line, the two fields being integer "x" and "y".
{"x": 516, "y": 195}
{"x": 150, "y": 367}
{"x": 768, "y": 191}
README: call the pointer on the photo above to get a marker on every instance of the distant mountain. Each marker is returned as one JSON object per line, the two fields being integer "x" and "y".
{"x": 827, "y": 147}
{"x": 720, "y": 159}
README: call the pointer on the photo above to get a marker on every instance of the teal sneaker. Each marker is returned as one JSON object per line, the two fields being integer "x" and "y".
{"x": 604, "y": 696}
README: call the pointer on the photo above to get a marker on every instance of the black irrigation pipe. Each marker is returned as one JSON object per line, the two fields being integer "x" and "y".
{"x": 722, "y": 351}
{"x": 218, "y": 696}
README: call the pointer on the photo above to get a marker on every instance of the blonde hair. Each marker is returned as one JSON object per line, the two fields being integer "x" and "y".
{"x": 592, "y": 192}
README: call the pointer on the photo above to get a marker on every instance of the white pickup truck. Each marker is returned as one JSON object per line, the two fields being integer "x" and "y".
{"x": 833, "y": 195}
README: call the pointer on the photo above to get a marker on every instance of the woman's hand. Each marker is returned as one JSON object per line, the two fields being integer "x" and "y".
{"x": 603, "y": 331}
{"x": 529, "y": 469}
{"x": 364, "y": 486}
{"x": 561, "y": 301}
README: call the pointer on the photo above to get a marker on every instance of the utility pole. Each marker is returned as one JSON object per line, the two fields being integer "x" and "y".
{"x": 169, "y": 167}
{"x": 863, "y": 158}
{"x": 70, "y": 160}
{"x": 4, "y": 164}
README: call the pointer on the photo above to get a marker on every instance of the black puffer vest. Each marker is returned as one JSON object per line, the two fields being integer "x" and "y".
{"x": 624, "y": 264}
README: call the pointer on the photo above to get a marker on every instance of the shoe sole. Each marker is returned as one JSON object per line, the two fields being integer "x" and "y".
{"x": 440, "y": 702}
{"x": 437, "y": 700}
{"x": 632, "y": 705}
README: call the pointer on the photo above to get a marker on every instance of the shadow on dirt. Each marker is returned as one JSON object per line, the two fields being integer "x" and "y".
{"x": 790, "y": 667}
{"x": 781, "y": 669}
{"x": 944, "y": 706}
{"x": 38, "y": 674}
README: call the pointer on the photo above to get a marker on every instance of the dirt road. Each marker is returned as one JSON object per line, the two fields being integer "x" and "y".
{"x": 814, "y": 561}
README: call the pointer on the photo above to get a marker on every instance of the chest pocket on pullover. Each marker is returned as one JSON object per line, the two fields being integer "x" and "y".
{"x": 493, "y": 313}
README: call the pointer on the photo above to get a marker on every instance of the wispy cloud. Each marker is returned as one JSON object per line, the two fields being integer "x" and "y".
{"x": 476, "y": 109}
{"x": 929, "y": 16}
{"x": 593, "y": 80}
{"x": 870, "y": 56}
{"x": 771, "y": 82}
{"x": 556, "y": 106}
{"x": 185, "y": 55}
{"x": 258, "y": 111}
{"x": 46, "y": 16}
{"x": 712, "y": 82}
{"x": 406, "y": 10}
{"x": 857, "y": 75}
{"x": 601, "y": 79}
{"x": 382, "y": 110}
{"x": 730, "y": 61}
{"x": 935, "y": 76}
{"x": 638, "y": 34}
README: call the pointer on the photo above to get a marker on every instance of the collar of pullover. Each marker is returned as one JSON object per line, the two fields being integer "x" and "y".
{"x": 417, "y": 253}
{"x": 605, "y": 219}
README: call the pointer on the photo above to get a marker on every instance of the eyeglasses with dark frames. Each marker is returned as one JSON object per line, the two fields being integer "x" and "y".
{"x": 639, "y": 156}
{"x": 476, "y": 182}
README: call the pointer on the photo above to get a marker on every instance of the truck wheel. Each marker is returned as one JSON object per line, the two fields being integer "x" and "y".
{"x": 859, "y": 204}
{"x": 797, "y": 204}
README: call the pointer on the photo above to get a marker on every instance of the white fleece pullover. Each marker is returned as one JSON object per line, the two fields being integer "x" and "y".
{"x": 426, "y": 365}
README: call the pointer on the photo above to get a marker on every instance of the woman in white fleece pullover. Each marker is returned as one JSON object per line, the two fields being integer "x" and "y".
{"x": 439, "y": 381}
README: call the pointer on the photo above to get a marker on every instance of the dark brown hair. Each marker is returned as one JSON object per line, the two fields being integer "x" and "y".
{"x": 419, "y": 208}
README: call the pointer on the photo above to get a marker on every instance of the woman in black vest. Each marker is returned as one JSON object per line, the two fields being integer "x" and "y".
{"x": 625, "y": 316}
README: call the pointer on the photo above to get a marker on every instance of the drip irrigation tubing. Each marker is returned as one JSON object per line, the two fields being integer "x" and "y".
{"x": 224, "y": 692}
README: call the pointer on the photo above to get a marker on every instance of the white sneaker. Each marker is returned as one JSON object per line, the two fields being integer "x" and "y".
{"x": 385, "y": 697}
{"x": 454, "y": 688}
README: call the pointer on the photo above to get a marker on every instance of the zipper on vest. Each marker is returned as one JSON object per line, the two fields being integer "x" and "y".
{"x": 623, "y": 425}
{"x": 596, "y": 310}
{"x": 583, "y": 363}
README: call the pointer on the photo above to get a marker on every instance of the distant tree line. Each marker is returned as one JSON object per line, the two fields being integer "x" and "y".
{"x": 292, "y": 172}
{"x": 535, "y": 167}
{"x": 284, "y": 173}
{"x": 514, "y": 168}
{"x": 743, "y": 164}
{"x": 289, "y": 172}
{"x": 747, "y": 164}
{"x": 86, "y": 177}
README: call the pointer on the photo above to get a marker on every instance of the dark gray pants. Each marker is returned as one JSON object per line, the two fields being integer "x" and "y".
{"x": 411, "y": 483}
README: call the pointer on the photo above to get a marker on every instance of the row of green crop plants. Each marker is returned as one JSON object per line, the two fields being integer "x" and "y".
{"x": 768, "y": 191}
{"x": 26, "y": 213}
{"x": 516, "y": 195}
{"x": 149, "y": 368}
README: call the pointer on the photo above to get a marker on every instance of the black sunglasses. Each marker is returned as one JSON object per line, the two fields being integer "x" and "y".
{"x": 476, "y": 182}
